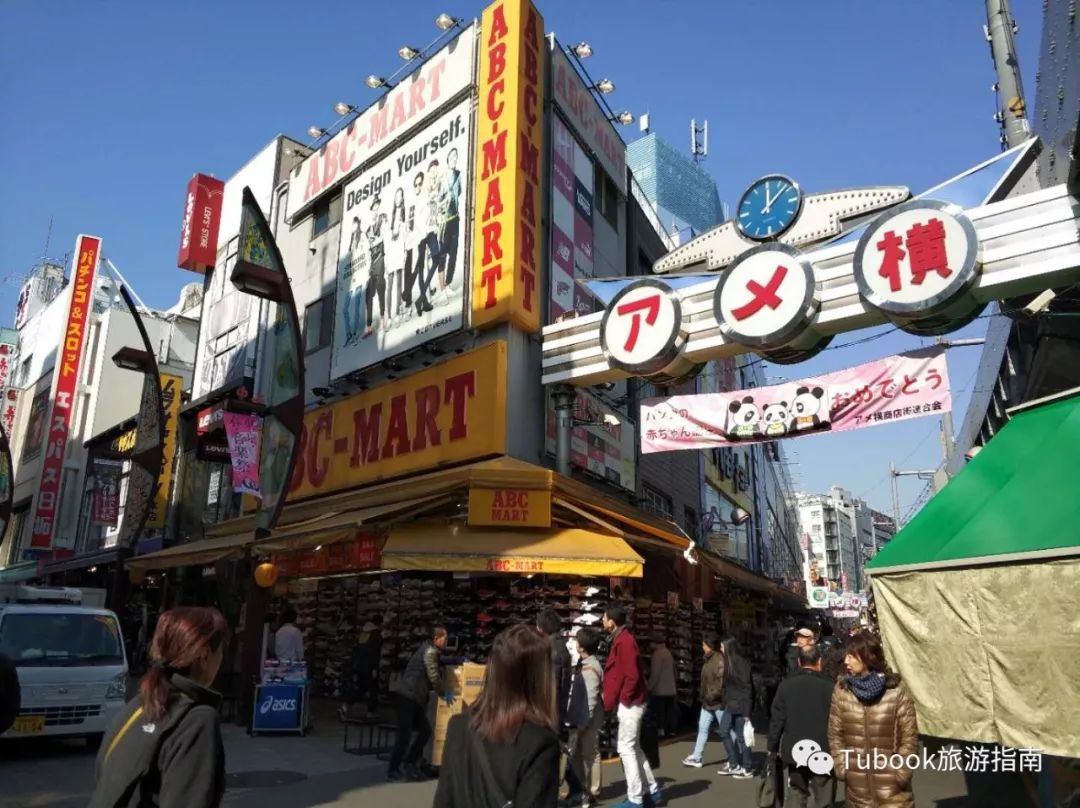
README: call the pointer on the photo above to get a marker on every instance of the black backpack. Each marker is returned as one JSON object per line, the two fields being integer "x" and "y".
{"x": 577, "y": 701}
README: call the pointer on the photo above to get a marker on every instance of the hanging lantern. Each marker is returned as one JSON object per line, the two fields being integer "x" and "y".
{"x": 266, "y": 575}
{"x": 136, "y": 575}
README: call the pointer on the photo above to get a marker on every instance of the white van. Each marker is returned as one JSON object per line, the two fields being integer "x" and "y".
{"x": 72, "y": 668}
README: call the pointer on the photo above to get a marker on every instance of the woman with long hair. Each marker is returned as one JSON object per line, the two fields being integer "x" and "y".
{"x": 737, "y": 702}
{"x": 503, "y": 748}
{"x": 872, "y": 718}
{"x": 165, "y": 748}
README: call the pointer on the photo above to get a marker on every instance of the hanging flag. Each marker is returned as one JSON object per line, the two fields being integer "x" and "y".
{"x": 106, "y": 509}
{"x": 242, "y": 431}
{"x": 884, "y": 391}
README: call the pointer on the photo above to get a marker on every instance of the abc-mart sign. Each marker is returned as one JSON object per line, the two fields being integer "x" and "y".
{"x": 925, "y": 266}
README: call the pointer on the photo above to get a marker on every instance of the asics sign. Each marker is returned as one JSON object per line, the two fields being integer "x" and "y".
{"x": 272, "y": 705}
{"x": 278, "y": 707}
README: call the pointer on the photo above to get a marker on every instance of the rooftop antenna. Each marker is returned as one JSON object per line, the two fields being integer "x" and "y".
{"x": 48, "y": 239}
{"x": 699, "y": 140}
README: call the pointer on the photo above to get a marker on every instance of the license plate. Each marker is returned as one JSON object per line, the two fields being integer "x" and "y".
{"x": 27, "y": 724}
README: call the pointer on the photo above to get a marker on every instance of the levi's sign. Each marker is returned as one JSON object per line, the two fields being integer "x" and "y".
{"x": 449, "y": 413}
{"x": 416, "y": 98}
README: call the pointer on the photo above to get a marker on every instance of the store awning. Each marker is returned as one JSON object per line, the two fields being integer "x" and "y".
{"x": 105, "y": 556}
{"x": 630, "y": 518}
{"x": 751, "y": 580}
{"x": 193, "y": 553}
{"x": 435, "y": 547}
{"x": 1014, "y": 501}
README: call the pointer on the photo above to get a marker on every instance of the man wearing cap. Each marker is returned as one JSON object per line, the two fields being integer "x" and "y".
{"x": 803, "y": 637}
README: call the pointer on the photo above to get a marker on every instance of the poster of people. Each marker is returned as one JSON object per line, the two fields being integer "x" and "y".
{"x": 403, "y": 264}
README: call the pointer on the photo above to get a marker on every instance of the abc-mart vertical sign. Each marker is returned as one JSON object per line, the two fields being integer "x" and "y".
{"x": 925, "y": 266}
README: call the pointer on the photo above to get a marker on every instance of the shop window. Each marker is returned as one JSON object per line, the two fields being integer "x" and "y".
{"x": 318, "y": 324}
{"x": 605, "y": 196}
{"x": 657, "y": 502}
{"x": 326, "y": 214}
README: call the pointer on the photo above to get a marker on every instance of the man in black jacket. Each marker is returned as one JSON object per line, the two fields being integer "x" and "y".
{"x": 423, "y": 675}
{"x": 800, "y": 718}
{"x": 549, "y": 624}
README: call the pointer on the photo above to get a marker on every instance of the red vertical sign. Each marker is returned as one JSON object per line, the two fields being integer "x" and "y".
{"x": 68, "y": 358}
{"x": 202, "y": 219}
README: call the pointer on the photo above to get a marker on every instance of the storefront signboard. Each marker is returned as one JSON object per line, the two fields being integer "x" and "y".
{"x": 449, "y": 413}
{"x": 418, "y": 96}
{"x": 353, "y": 555}
{"x": 402, "y": 262}
{"x": 509, "y": 134}
{"x": 106, "y": 505}
{"x": 68, "y": 359}
{"x": 571, "y": 199}
{"x": 171, "y": 387}
{"x": 279, "y": 707}
{"x": 501, "y": 507}
{"x": 818, "y": 597}
{"x": 243, "y": 432}
{"x": 202, "y": 218}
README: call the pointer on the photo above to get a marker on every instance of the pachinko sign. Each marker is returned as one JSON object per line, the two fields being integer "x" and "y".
{"x": 888, "y": 390}
{"x": 68, "y": 359}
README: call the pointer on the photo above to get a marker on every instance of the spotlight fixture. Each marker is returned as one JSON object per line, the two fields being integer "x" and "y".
{"x": 444, "y": 22}
{"x": 316, "y": 132}
{"x": 392, "y": 366}
{"x": 408, "y": 53}
{"x": 740, "y": 516}
{"x": 583, "y": 50}
{"x": 605, "y": 86}
{"x": 375, "y": 82}
{"x": 343, "y": 109}
{"x": 625, "y": 117}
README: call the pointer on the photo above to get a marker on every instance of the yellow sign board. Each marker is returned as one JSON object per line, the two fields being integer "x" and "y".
{"x": 170, "y": 403}
{"x": 449, "y": 413}
{"x": 509, "y": 135}
{"x": 500, "y": 507}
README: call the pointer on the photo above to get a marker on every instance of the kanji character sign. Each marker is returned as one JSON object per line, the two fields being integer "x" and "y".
{"x": 766, "y": 298}
{"x": 641, "y": 327}
{"x": 917, "y": 261}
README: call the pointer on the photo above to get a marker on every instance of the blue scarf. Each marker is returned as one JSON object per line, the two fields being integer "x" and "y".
{"x": 868, "y": 687}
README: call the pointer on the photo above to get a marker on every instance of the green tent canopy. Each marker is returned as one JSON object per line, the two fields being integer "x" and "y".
{"x": 1018, "y": 498}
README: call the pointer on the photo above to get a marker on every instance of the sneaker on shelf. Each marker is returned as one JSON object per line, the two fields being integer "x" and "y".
{"x": 591, "y": 590}
{"x": 742, "y": 774}
{"x": 692, "y": 761}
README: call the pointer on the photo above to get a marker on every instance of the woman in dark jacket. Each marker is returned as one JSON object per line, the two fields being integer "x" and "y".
{"x": 872, "y": 711}
{"x": 504, "y": 748}
{"x": 165, "y": 747}
{"x": 737, "y": 703}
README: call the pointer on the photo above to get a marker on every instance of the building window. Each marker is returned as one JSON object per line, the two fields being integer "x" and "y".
{"x": 816, "y": 514}
{"x": 20, "y": 519}
{"x": 318, "y": 324}
{"x": 657, "y": 502}
{"x": 326, "y": 214}
{"x": 690, "y": 523}
{"x": 606, "y": 196}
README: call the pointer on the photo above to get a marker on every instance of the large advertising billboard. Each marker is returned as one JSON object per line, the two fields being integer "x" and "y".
{"x": 437, "y": 81}
{"x": 571, "y": 223}
{"x": 402, "y": 260}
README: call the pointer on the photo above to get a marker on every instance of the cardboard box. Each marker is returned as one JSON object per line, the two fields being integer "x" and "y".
{"x": 465, "y": 682}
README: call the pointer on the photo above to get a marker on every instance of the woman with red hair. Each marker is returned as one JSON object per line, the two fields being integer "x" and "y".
{"x": 165, "y": 748}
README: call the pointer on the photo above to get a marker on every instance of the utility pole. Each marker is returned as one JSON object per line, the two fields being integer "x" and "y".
{"x": 948, "y": 442}
{"x": 922, "y": 475}
{"x": 1012, "y": 112}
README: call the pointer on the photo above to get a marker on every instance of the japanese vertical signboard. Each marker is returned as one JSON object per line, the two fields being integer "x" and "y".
{"x": 571, "y": 223}
{"x": 106, "y": 509}
{"x": 509, "y": 134}
{"x": 243, "y": 430}
{"x": 202, "y": 218}
{"x": 170, "y": 403}
{"x": 896, "y": 388}
{"x": 68, "y": 359}
{"x": 402, "y": 265}
{"x": 9, "y": 396}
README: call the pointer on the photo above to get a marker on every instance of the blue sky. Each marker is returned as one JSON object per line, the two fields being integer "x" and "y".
{"x": 110, "y": 107}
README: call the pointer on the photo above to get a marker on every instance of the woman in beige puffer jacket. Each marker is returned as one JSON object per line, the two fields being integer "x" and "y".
{"x": 872, "y": 711}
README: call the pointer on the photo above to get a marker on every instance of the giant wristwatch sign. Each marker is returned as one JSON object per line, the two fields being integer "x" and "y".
{"x": 927, "y": 265}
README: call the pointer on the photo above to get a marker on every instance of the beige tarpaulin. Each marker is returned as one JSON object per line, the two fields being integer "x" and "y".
{"x": 990, "y": 653}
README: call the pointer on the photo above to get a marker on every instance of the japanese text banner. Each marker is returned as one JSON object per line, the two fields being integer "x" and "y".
{"x": 243, "y": 430}
{"x": 896, "y": 388}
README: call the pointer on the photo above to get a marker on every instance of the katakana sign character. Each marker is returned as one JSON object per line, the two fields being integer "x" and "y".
{"x": 650, "y": 305}
{"x": 763, "y": 295}
{"x": 893, "y": 248}
{"x": 926, "y": 248}
{"x": 933, "y": 378}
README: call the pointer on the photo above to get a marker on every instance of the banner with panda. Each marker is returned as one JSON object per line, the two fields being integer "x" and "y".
{"x": 897, "y": 388}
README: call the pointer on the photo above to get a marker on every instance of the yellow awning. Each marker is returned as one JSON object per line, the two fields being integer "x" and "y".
{"x": 436, "y": 547}
{"x": 634, "y": 520}
{"x": 193, "y": 553}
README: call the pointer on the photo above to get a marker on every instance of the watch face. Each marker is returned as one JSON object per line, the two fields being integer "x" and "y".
{"x": 769, "y": 207}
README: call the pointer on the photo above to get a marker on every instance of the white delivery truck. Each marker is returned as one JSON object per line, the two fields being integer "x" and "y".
{"x": 70, "y": 660}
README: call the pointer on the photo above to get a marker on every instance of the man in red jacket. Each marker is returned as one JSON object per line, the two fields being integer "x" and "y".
{"x": 625, "y": 694}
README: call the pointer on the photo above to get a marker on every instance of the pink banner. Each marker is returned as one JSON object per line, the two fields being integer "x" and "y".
{"x": 243, "y": 432}
{"x": 896, "y": 388}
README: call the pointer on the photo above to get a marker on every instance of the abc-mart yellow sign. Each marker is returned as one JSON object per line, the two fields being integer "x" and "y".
{"x": 926, "y": 266}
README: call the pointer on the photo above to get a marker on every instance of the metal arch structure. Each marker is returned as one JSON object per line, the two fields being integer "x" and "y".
{"x": 1028, "y": 243}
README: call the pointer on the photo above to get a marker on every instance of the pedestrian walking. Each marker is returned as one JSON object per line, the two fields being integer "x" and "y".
{"x": 585, "y": 749}
{"x": 872, "y": 715}
{"x": 662, "y": 691}
{"x": 800, "y": 713}
{"x": 423, "y": 675}
{"x": 10, "y": 694}
{"x": 288, "y": 639}
{"x": 549, "y": 624}
{"x": 363, "y": 674}
{"x": 165, "y": 749}
{"x": 711, "y": 694}
{"x": 803, "y": 637}
{"x": 737, "y": 701}
{"x": 625, "y": 695}
{"x": 503, "y": 749}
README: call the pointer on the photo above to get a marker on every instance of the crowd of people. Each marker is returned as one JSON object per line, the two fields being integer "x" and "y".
{"x": 531, "y": 737}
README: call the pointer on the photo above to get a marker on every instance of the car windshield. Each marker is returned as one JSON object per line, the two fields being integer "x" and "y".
{"x": 37, "y": 639}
